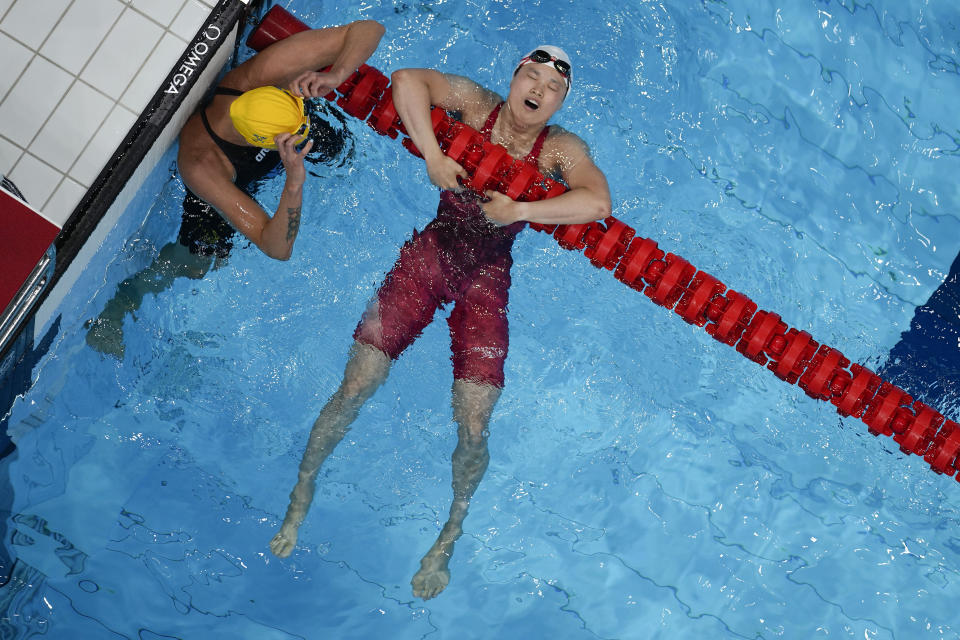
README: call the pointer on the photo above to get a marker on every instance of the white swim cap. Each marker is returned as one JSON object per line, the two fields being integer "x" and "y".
{"x": 549, "y": 54}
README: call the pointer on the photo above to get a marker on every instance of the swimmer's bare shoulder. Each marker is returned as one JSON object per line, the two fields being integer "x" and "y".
{"x": 470, "y": 102}
{"x": 562, "y": 152}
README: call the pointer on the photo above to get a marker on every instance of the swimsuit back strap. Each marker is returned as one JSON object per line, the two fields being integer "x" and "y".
{"x": 206, "y": 125}
{"x": 222, "y": 91}
{"x": 491, "y": 119}
{"x": 220, "y": 142}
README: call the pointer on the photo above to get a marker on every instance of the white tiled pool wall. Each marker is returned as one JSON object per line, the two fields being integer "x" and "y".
{"x": 74, "y": 77}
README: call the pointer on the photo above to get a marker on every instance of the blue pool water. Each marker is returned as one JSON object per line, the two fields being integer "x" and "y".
{"x": 645, "y": 481}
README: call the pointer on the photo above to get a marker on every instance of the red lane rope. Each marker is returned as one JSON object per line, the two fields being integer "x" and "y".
{"x": 668, "y": 280}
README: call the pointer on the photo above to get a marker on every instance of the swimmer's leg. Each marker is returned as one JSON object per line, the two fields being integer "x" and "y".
{"x": 366, "y": 370}
{"x": 105, "y": 332}
{"x": 472, "y": 406}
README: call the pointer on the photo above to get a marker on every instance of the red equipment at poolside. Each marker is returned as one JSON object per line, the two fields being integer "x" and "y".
{"x": 667, "y": 279}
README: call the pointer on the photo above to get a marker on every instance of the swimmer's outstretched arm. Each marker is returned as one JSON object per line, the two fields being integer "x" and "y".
{"x": 294, "y": 62}
{"x": 358, "y": 43}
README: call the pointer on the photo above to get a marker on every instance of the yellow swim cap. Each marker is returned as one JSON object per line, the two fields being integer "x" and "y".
{"x": 262, "y": 113}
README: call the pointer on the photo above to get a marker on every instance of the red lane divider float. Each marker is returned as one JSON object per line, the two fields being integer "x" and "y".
{"x": 667, "y": 279}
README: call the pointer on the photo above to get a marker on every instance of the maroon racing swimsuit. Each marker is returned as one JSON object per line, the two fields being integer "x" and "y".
{"x": 460, "y": 257}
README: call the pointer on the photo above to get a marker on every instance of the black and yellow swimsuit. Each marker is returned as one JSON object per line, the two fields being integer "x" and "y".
{"x": 203, "y": 230}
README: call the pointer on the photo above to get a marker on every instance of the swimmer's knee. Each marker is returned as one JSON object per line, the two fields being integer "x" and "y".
{"x": 370, "y": 360}
{"x": 476, "y": 438}
{"x": 473, "y": 430}
{"x": 367, "y": 369}
{"x": 176, "y": 260}
{"x": 355, "y": 391}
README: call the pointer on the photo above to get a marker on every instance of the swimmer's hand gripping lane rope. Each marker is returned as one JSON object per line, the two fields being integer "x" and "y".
{"x": 667, "y": 279}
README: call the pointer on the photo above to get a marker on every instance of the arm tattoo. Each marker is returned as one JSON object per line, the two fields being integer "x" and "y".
{"x": 293, "y": 222}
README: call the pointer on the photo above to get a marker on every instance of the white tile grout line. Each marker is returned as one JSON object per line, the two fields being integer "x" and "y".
{"x": 77, "y": 75}
{"x": 157, "y": 44}
{"x": 165, "y": 27}
{"x": 182, "y": 7}
{"x": 117, "y": 105}
{"x": 53, "y": 193}
{"x": 26, "y": 153}
{"x": 25, "y": 67}
{"x": 17, "y": 160}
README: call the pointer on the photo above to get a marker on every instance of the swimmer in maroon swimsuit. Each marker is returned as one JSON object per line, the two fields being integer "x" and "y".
{"x": 461, "y": 258}
{"x": 248, "y": 128}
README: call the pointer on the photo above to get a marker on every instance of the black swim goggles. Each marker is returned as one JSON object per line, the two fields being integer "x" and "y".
{"x": 542, "y": 57}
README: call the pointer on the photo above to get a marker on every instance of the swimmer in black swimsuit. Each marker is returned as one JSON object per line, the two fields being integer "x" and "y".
{"x": 247, "y": 132}
{"x": 203, "y": 230}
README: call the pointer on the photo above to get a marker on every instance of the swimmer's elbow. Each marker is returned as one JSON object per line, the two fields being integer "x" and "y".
{"x": 282, "y": 254}
{"x": 373, "y": 26}
{"x": 594, "y": 202}
{"x": 400, "y": 76}
{"x": 604, "y": 208}
{"x": 411, "y": 76}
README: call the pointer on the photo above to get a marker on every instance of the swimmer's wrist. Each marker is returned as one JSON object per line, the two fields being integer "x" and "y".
{"x": 295, "y": 177}
{"x": 521, "y": 210}
{"x": 340, "y": 75}
{"x": 432, "y": 153}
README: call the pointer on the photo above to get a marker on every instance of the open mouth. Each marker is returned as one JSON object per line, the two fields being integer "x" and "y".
{"x": 531, "y": 104}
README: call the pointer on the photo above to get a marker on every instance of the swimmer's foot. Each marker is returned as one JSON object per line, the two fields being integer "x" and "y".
{"x": 105, "y": 334}
{"x": 283, "y": 543}
{"x": 434, "y": 576}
